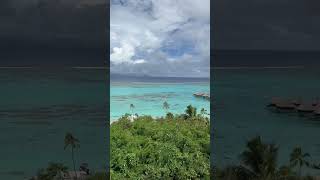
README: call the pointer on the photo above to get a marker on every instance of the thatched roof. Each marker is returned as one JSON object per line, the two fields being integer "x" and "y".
{"x": 317, "y": 110}
{"x": 285, "y": 105}
{"x": 306, "y": 108}
{"x": 203, "y": 95}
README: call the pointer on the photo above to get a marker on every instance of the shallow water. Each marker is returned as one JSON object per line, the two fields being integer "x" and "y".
{"x": 38, "y": 107}
{"x": 148, "y": 98}
{"x": 240, "y": 112}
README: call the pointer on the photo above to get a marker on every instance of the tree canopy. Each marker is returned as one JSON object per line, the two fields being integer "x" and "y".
{"x": 171, "y": 147}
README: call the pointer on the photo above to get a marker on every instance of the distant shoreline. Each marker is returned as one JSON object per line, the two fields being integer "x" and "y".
{"x": 265, "y": 67}
{"x": 102, "y": 67}
{"x": 106, "y": 68}
{"x": 16, "y": 67}
{"x": 39, "y": 67}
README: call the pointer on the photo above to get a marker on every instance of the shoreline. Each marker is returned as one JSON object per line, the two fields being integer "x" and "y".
{"x": 264, "y": 67}
{"x": 104, "y": 67}
{"x": 154, "y": 117}
{"x": 154, "y": 83}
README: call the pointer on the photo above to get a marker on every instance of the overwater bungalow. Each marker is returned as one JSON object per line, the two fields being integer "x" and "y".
{"x": 296, "y": 105}
{"x": 317, "y": 111}
{"x": 297, "y": 102}
{"x": 274, "y": 101}
{"x": 285, "y": 105}
{"x": 306, "y": 108}
{"x": 316, "y": 101}
{"x": 202, "y": 95}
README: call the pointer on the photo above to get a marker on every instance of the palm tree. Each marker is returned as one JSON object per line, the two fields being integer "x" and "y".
{"x": 166, "y": 106}
{"x": 260, "y": 158}
{"x": 191, "y": 111}
{"x": 298, "y": 158}
{"x": 203, "y": 112}
{"x": 169, "y": 115}
{"x": 131, "y": 108}
{"x": 70, "y": 140}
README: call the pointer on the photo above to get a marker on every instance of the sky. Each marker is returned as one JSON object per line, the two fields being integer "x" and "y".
{"x": 266, "y": 24}
{"x": 175, "y": 33}
{"x": 53, "y": 32}
{"x": 160, "y": 37}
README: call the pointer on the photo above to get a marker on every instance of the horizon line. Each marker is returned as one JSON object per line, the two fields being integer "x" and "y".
{"x": 258, "y": 67}
{"x": 104, "y": 67}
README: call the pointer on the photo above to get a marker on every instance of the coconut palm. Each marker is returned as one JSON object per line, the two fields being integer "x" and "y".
{"x": 191, "y": 111}
{"x": 298, "y": 158}
{"x": 131, "y": 108}
{"x": 203, "y": 112}
{"x": 166, "y": 106}
{"x": 169, "y": 115}
{"x": 74, "y": 143}
{"x": 260, "y": 158}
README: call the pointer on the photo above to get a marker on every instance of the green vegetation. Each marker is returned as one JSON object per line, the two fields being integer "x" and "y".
{"x": 98, "y": 176}
{"x": 53, "y": 171}
{"x": 170, "y": 147}
{"x": 259, "y": 162}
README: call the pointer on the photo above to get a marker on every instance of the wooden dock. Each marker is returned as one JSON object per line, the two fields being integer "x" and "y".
{"x": 202, "y": 95}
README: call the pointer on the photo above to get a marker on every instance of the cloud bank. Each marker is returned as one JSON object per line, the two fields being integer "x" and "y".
{"x": 266, "y": 24}
{"x": 160, "y": 37}
{"x": 60, "y": 32}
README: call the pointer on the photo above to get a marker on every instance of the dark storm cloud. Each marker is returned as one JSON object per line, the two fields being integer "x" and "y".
{"x": 266, "y": 24}
{"x": 32, "y": 29}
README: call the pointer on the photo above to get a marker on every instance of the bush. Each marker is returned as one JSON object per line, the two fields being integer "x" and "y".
{"x": 98, "y": 176}
{"x": 160, "y": 148}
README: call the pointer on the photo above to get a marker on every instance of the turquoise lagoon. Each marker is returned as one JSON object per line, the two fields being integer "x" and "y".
{"x": 149, "y": 94}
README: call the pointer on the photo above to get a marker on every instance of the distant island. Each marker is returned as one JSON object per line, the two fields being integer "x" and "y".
{"x": 263, "y": 58}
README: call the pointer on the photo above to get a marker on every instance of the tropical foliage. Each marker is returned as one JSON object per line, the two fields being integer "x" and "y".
{"x": 98, "y": 176}
{"x": 170, "y": 147}
{"x": 53, "y": 171}
{"x": 259, "y": 162}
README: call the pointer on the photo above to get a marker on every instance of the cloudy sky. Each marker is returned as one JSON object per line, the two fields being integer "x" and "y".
{"x": 46, "y": 32}
{"x": 266, "y": 24}
{"x": 160, "y": 37}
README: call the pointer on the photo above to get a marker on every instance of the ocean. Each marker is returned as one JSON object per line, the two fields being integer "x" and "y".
{"x": 39, "y": 106}
{"x": 240, "y": 113}
{"x": 148, "y": 94}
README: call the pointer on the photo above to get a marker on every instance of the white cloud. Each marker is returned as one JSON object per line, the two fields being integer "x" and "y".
{"x": 160, "y": 37}
{"x": 139, "y": 61}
